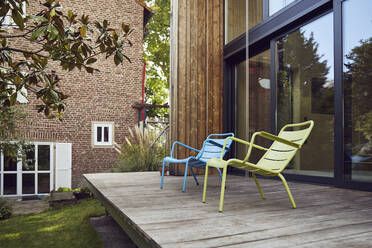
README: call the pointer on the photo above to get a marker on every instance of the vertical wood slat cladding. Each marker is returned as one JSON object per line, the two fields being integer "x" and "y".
{"x": 196, "y": 97}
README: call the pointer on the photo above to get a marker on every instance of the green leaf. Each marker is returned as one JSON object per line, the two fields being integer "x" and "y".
{"x": 53, "y": 32}
{"x": 38, "y": 32}
{"x": 83, "y": 31}
{"x": 69, "y": 14}
{"x": 13, "y": 98}
{"x": 89, "y": 69}
{"x": 4, "y": 10}
{"x": 118, "y": 58}
{"x": 18, "y": 19}
{"x": 39, "y": 18}
{"x": 125, "y": 27}
{"x": 53, "y": 12}
{"x": 91, "y": 61}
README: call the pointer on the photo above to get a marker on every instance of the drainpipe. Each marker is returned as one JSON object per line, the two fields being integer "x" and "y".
{"x": 143, "y": 89}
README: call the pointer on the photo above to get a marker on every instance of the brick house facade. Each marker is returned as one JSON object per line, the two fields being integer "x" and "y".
{"x": 105, "y": 96}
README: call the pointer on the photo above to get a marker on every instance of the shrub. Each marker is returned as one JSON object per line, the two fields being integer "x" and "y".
{"x": 82, "y": 193}
{"x": 142, "y": 151}
{"x": 5, "y": 210}
{"x": 64, "y": 189}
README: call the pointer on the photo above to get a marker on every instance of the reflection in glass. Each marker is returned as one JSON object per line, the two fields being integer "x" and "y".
{"x": 99, "y": 134}
{"x": 10, "y": 184}
{"x": 43, "y": 154}
{"x": 10, "y": 162}
{"x": 105, "y": 134}
{"x": 28, "y": 163}
{"x": 255, "y": 12}
{"x": 241, "y": 93}
{"x": 28, "y": 183}
{"x": 235, "y": 19}
{"x": 276, "y": 5}
{"x": 43, "y": 183}
{"x": 252, "y": 100}
{"x": 305, "y": 91}
{"x": 357, "y": 77}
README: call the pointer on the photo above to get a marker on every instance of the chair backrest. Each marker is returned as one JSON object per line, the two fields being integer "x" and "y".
{"x": 279, "y": 155}
{"x": 212, "y": 147}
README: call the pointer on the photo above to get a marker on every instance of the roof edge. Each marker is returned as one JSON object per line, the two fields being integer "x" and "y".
{"x": 144, "y": 5}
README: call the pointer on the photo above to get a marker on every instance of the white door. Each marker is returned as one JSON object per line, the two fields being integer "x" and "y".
{"x": 63, "y": 165}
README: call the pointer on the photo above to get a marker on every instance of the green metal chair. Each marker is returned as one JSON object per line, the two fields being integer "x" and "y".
{"x": 276, "y": 158}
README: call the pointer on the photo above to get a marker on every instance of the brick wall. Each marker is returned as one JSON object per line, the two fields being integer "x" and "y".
{"x": 104, "y": 96}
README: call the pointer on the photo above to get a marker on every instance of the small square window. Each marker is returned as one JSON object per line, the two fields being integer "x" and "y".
{"x": 102, "y": 134}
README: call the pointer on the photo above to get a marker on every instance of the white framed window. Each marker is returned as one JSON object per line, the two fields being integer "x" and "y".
{"x": 31, "y": 175}
{"x": 102, "y": 134}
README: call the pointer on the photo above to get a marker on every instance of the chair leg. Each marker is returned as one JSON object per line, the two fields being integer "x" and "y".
{"x": 205, "y": 183}
{"x": 162, "y": 176}
{"x": 258, "y": 186}
{"x": 287, "y": 189}
{"x": 192, "y": 172}
{"x": 222, "y": 195}
{"x": 219, "y": 171}
{"x": 185, "y": 177}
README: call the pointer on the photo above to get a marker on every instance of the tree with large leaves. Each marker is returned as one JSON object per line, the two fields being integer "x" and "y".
{"x": 157, "y": 52}
{"x": 51, "y": 36}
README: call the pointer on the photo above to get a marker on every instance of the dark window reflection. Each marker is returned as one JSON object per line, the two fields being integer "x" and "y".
{"x": 99, "y": 134}
{"x": 28, "y": 163}
{"x": 10, "y": 160}
{"x": 10, "y": 184}
{"x": 106, "y": 134}
{"x": 305, "y": 91}
{"x": 28, "y": 184}
{"x": 43, "y": 183}
{"x": 357, "y": 20}
{"x": 43, "y": 154}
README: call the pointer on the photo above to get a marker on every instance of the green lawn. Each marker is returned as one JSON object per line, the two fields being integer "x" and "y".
{"x": 67, "y": 227}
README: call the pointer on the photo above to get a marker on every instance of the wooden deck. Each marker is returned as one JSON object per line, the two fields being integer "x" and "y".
{"x": 325, "y": 216}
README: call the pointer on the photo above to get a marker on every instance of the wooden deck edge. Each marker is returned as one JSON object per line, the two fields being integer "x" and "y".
{"x": 136, "y": 234}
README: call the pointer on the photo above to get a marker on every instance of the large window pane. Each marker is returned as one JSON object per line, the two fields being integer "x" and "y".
{"x": 43, "y": 157}
{"x": 10, "y": 184}
{"x": 241, "y": 92}
{"x": 235, "y": 19}
{"x": 357, "y": 31}
{"x": 259, "y": 99}
{"x": 305, "y": 91}
{"x": 28, "y": 163}
{"x": 43, "y": 183}
{"x": 276, "y": 5}
{"x": 10, "y": 162}
{"x": 252, "y": 100}
{"x": 28, "y": 183}
{"x": 255, "y": 12}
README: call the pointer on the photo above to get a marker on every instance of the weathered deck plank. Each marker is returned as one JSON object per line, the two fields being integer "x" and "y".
{"x": 325, "y": 216}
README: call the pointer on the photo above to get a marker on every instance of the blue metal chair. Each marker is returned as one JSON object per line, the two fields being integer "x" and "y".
{"x": 212, "y": 148}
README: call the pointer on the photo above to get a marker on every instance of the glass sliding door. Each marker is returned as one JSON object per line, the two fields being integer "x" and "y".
{"x": 357, "y": 77}
{"x": 305, "y": 91}
{"x": 241, "y": 108}
{"x": 252, "y": 100}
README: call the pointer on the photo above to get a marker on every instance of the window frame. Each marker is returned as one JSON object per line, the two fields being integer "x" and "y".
{"x": 102, "y": 144}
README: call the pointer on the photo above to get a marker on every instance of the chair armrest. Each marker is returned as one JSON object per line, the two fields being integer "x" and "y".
{"x": 279, "y": 139}
{"x": 186, "y": 146}
{"x": 242, "y": 142}
{"x": 220, "y": 134}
